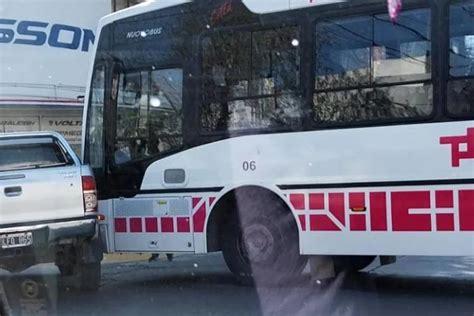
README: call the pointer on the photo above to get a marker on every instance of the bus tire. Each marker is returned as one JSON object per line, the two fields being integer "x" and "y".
{"x": 351, "y": 264}
{"x": 260, "y": 244}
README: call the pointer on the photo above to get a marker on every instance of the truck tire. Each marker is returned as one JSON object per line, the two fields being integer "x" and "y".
{"x": 260, "y": 242}
{"x": 89, "y": 275}
{"x": 351, "y": 264}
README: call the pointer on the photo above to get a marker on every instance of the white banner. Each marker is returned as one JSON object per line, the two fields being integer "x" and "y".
{"x": 68, "y": 126}
{"x": 19, "y": 124}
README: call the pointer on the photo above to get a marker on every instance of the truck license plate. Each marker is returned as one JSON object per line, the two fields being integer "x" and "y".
{"x": 16, "y": 240}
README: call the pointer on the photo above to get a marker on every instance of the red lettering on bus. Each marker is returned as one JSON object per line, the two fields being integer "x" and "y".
{"x": 457, "y": 153}
{"x": 466, "y": 210}
{"x": 199, "y": 217}
{"x": 316, "y": 201}
{"x": 220, "y": 12}
{"x": 378, "y": 211}
{"x": 322, "y": 223}
{"x": 336, "y": 206}
{"x": 402, "y": 203}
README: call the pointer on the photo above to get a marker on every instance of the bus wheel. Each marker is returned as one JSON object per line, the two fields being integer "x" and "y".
{"x": 351, "y": 264}
{"x": 259, "y": 248}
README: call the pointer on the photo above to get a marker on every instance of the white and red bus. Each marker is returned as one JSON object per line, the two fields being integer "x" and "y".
{"x": 274, "y": 130}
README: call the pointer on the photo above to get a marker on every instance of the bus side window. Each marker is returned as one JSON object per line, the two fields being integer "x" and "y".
{"x": 251, "y": 80}
{"x": 461, "y": 60}
{"x": 95, "y": 128}
{"x": 368, "y": 68}
{"x": 149, "y": 114}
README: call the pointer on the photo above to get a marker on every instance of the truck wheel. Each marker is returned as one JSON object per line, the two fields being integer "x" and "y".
{"x": 260, "y": 242}
{"x": 89, "y": 275}
{"x": 351, "y": 264}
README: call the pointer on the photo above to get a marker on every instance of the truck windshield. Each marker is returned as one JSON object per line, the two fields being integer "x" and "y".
{"x": 31, "y": 155}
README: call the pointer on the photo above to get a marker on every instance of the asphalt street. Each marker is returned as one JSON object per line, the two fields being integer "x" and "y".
{"x": 202, "y": 285}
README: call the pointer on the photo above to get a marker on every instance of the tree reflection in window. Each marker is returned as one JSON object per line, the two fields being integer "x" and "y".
{"x": 368, "y": 68}
{"x": 149, "y": 114}
{"x": 251, "y": 80}
{"x": 461, "y": 59}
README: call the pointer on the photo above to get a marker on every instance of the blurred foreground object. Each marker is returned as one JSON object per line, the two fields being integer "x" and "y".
{"x": 28, "y": 295}
{"x": 322, "y": 268}
{"x": 394, "y": 8}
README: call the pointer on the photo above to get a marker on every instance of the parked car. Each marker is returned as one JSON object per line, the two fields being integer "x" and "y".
{"x": 48, "y": 208}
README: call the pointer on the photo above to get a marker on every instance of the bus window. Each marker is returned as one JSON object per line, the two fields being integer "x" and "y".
{"x": 343, "y": 53}
{"x": 95, "y": 151}
{"x": 368, "y": 68}
{"x": 461, "y": 60}
{"x": 405, "y": 54}
{"x": 251, "y": 80}
{"x": 149, "y": 116}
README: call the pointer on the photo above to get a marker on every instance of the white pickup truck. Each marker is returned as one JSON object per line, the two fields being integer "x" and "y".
{"x": 48, "y": 208}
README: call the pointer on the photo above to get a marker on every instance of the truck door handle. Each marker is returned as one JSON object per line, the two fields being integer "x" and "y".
{"x": 13, "y": 191}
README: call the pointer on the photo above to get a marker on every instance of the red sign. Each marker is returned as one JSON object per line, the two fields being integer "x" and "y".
{"x": 219, "y": 13}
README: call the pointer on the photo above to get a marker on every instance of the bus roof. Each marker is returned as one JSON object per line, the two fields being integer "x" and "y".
{"x": 138, "y": 9}
{"x": 256, "y": 6}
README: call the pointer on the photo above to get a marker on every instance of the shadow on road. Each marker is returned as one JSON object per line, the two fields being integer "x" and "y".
{"x": 205, "y": 286}
{"x": 413, "y": 284}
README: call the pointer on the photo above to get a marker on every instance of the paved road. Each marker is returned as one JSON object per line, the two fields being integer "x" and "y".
{"x": 202, "y": 285}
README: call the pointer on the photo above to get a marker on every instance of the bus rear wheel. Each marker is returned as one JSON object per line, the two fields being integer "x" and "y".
{"x": 260, "y": 245}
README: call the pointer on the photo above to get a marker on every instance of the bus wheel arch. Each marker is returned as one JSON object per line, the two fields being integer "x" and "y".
{"x": 260, "y": 212}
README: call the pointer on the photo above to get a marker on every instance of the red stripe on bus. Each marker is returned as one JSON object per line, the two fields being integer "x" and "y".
{"x": 444, "y": 199}
{"x": 183, "y": 225}
{"x": 316, "y": 201}
{"x": 196, "y": 201}
{"x": 199, "y": 219}
{"x": 120, "y": 225}
{"x": 151, "y": 225}
{"x": 322, "y": 223}
{"x": 445, "y": 222}
{"x": 357, "y": 222}
{"x": 302, "y": 219}
{"x": 356, "y": 200}
{"x": 136, "y": 225}
{"x": 466, "y": 210}
{"x": 167, "y": 225}
{"x": 402, "y": 220}
{"x": 378, "y": 211}
{"x": 297, "y": 200}
{"x": 336, "y": 206}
